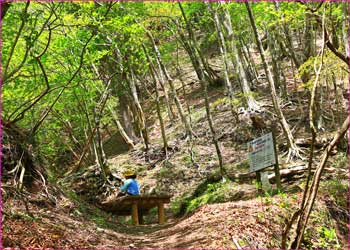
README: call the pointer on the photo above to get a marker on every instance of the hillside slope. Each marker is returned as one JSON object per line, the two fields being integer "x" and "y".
{"x": 74, "y": 221}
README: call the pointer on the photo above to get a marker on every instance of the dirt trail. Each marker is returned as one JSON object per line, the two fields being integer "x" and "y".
{"x": 209, "y": 226}
{"x": 255, "y": 223}
{"x": 214, "y": 226}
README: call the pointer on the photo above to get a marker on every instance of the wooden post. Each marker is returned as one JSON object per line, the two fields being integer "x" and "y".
{"x": 141, "y": 222}
{"x": 276, "y": 167}
{"x": 135, "y": 214}
{"x": 258, "y": 179}
{"x": 161, "y": 215}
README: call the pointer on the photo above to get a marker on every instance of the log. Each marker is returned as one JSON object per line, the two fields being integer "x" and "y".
{"x": 285, "y": 173}
{"x": 306, "y": 142}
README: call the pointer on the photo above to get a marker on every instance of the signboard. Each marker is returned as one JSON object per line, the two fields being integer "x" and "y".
{"x": 261, "y": 152}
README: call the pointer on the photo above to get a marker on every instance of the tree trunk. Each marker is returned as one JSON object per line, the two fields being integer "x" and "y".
{"x": 304, "y": 217}
{"x": 309, "y": 48}
{"x": 251, "y": 102}
{"x": 179, "y": 75}
{"x": 293, "y": 149}
{"x": 312, "y": 108}
{"x": 69, "y": 131}
{"x": 83, "y": 107}
{"x": 171, "y": 113}
{"x": 101, "y": 159}
{"x": 124, "y": 102}
{"x": 273, "y": 55}
{"x": 334, "y": 35}
{"x": 204, "y": 85}
{"x": 172, "y": 88}
{"x": 288, "y": 38}
{"x": 121, "y": 130}
{"x": 159, "y": 113}
{"x": 191, "y": 143}
{"x": 212, "y": 130}
{"x": 345, "y": 28}
{"x": 126, "y": 115}
{"x": 249, "y": 59}
{"x": 223, "y": 52}
{"x": 141, "y": 116}
{"x": 4, "y": 8}
{"x": 98, "y": 147}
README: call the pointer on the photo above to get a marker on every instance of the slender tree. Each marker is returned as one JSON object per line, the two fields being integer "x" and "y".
{"x": 169, "y": 79}
{"x": 237, "y": 61}
{"x": 195, "y": 53}
{"x": 224, "y": 56}
{"x": 157, "y": 100}
{"x": 293, "y": 149}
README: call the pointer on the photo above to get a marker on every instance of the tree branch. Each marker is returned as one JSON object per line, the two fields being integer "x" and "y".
{"x": 38, "y": 124}
{"x": 37, "y": 99}
{"x": 7, "y": 77}
{"x": 24, "y": 14}
{"x": 329, "y": 44}
{"x": 47, "y": 45}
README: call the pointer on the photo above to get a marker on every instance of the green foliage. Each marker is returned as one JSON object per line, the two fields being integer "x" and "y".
{"x": 323, "y": 235}
{"x": 177, "y": 204}
{"x": 243, "y": 164}
{"x": 215, "y": 192}
{"x": 328, "y": 239}
{"x": 220, "y": 101}
{"x": 187, "y": 158}
{"x": 236, "y": 102}
{"x": 197, "y": 115}
{"x": 88, "y": 212}
{"x": 112, "y": 26}
{"x": 24, "y": 216}
{"x": 336, "y": 189}
{"x": 151, "y": 216}
{"x": 340, "y": 161}
{"x": 332, "y": 66}
{"x": 163, "y": 172}
{"x": 205, "y": 193}
{"x": 75, "y": 23}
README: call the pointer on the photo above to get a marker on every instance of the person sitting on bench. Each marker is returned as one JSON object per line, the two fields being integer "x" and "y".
{"x": 130, "y": 185}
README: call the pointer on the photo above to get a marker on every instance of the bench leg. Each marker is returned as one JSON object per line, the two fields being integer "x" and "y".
{"x": 161, "y": 216}
{"x": 135, "y": 214}
{"x": 141, "y": 222}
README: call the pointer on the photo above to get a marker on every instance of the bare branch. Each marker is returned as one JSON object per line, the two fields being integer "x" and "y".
{"x": 24, "y": 15}
{"x": 38, "y": 124}
{"x": 329, "y": 44}
{"x": 47, "y": 45}
{"x": 7, "y": 77}
{"x": 38, "y": 98}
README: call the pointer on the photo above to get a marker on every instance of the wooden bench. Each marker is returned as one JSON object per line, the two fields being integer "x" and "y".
{"x": 137, "y": 205}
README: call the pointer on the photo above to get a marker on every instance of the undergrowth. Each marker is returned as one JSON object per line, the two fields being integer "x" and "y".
{"x": 207, "y": 193}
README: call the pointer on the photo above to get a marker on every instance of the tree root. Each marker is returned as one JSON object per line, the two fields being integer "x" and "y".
{"x": 295, "y": 153}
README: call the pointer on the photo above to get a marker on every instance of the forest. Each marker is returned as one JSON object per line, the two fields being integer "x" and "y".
{"x": 175, "y": 94}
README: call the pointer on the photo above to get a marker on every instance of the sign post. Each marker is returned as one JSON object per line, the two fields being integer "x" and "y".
{"x": 276, "y": 167}
{"x": 262, "y": 154}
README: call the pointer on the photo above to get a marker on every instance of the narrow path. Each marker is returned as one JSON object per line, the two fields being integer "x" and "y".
{"x": 255, "y": 223}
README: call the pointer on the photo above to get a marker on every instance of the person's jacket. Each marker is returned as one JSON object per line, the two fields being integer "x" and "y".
{"x": 131, "y": 187}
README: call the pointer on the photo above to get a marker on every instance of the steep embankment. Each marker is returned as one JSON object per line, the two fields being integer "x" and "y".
{"x": 250, "y": 221}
